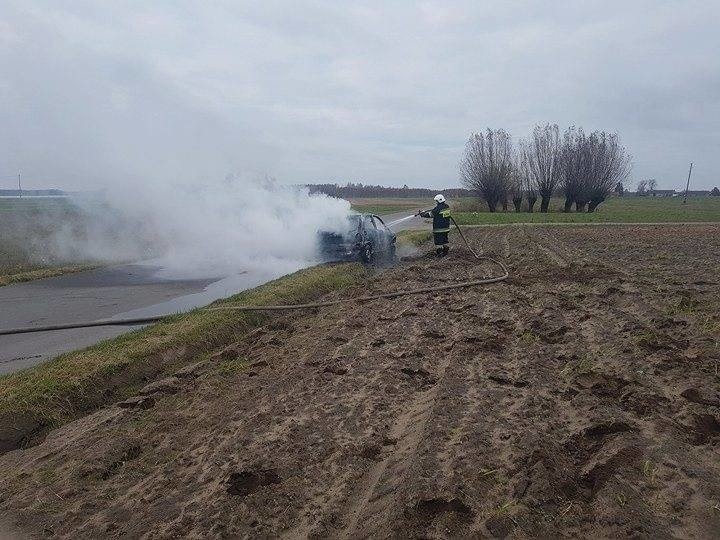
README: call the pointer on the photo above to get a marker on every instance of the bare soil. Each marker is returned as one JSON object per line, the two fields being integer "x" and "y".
{"x": 579, "y": 398}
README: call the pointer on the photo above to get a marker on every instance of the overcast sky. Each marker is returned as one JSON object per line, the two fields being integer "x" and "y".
{"x": 386, "y": 92}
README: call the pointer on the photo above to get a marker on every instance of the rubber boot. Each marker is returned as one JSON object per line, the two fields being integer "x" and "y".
{"x": 445, "y": 250}
{"x": 439, "y": 251}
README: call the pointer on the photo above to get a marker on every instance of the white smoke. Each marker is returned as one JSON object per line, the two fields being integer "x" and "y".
{"x": 208, "y": 230}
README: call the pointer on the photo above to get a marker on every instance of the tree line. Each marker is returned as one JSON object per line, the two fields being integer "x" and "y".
{"x": 585, "y": 168}
{"x": 358, "y": 190}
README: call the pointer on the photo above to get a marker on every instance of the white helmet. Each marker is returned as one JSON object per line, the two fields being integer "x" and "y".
{"x": 439, "y": 198}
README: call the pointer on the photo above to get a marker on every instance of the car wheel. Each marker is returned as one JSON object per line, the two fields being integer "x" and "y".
{"x": 366, "y": 255}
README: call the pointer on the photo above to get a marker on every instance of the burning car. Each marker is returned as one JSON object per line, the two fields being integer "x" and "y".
{"x": 366, "y": 238}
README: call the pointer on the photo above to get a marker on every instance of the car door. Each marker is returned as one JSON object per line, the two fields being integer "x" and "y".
{"x": 371, "y": 231}
{"x": 384, "y": 238}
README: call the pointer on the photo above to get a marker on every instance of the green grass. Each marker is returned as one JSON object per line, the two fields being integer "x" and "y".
{"x": 57, "y": 391}
{"x": 25, "y": 226}
{"x": 413, "y": 238}
{"x": 621, "y": 210}
{"x": 382, "y": 206}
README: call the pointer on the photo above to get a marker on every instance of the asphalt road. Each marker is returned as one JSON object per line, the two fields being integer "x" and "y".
{"x": 100, "y": 293}
{"x": 132, "y": 290}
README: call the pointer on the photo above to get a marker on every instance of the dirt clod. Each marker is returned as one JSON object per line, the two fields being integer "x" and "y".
{"x": 169, "y": 385}
{"x": 694, "y": 395}
{"x": 243, "y": 483}
{"x": 429, "y": 509}
{"x": 705, "y": 428}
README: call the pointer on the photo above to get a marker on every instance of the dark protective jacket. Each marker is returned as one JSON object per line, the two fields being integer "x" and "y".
{"x": 440, "y": 216}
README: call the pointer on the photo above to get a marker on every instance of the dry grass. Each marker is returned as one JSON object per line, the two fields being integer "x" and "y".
{"x": 40, "y": 273}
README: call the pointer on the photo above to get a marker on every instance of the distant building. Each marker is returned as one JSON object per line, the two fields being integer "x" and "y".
{"x": 697, "y": 193}
{"x": 662, "y": 192}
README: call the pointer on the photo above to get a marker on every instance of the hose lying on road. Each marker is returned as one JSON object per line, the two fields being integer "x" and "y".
{"x": 145, "y": 320}
{"x": 86, "y": 324}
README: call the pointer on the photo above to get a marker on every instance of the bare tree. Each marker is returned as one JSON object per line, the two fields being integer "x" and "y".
{"x": 641, "y": 187}
{"x": 610, "y": 165}
{"x": 516, "y": 186}
{"x": 487, "y": 166}
{"x": 575, "y": 168}
{"x": 524, "y": 175}
{"x": 543, "y": 157}
{"x": 532, "y": 197}
{"x": 652, "y": 186}
{"x": 592, "y": 167}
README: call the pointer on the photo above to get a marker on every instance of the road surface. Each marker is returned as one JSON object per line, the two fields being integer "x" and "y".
{"x": 131, "y": 290}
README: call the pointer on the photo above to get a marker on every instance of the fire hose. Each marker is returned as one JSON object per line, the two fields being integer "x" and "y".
{"x": 463, "y": 285}
{"x": 396, "y": 294}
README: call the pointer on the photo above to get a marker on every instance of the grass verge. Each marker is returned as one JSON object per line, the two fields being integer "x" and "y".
{"x": 51, "y": 394}
{"x": 41, "y": 273}
{"x": 413, "y": 238}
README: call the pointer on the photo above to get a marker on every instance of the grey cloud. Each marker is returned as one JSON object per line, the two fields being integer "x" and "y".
{"x": 318, "y": 91}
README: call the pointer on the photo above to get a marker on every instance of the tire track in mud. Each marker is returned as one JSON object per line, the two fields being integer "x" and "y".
{"x": 598, "y": 306}
{"x": 496, "y": 242}
{"x": 620, "y": 325}
{"x": 478, "y": 380}
{"x": 481, "y": 410}
{"x": 372, "y": 503}
{"x": 558, "y": 328}
{"x": 541, "y": 242}
{"x": 505, "y": 244}
{"x": 385, "y": 359}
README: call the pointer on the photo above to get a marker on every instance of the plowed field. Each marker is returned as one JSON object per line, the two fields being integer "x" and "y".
{"x": 580, "y": 397}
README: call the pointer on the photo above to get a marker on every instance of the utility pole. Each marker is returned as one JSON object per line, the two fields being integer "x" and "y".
{"x": 19, "y": 185}
{"x": 687, "y": 186}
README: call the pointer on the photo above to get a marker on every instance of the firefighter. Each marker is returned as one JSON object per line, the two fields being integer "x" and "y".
{"x": 441, "y": 224}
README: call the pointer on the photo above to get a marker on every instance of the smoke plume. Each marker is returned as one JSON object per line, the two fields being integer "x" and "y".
{"x": 197, "y": 231}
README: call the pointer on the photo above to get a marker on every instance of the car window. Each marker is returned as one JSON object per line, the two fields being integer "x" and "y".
{"x": 369, "y": 223}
